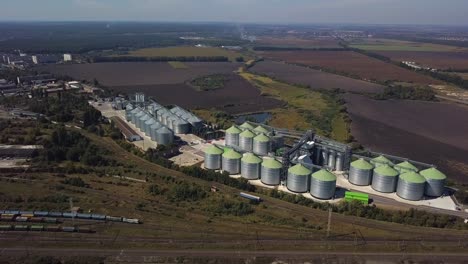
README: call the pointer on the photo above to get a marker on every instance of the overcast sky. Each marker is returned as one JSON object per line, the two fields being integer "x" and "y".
{"x": 264, "y": 11}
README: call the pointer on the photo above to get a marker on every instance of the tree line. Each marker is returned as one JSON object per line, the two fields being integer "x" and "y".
{"x": 162, "y": 59}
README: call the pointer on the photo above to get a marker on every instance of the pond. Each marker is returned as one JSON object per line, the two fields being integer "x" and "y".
{"x": 261, "y": 118}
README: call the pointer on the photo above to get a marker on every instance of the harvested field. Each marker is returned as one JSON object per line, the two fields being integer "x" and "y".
{"x": 352, "y": 64}
{"x": 139, "y": 73}
{"x": 315, "y": 78}
{"x": 376, "y": 44}
{"x": 425, "y": 131}
{"x": 296, "y": 42}
{"x": 237, "y": 96}
{"x": 187, "y": 51}
{"x": 438, "y": 60}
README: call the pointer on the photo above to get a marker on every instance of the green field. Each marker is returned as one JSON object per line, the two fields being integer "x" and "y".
{"x": 178, "y": 65}
{"x": 185, "y": 51}
{"x": 400, "y": 45}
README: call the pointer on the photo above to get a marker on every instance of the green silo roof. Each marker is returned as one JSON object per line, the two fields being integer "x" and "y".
{"x": 262, "y": 138}
{"x": 433, "y": 174}
{"x": 247, "y": 134}
{"x": 261, "y": 129}
{"x": 380, "y": 160}
{"x": 232, "y": 154}
{"x": 324, "y": 175}
{"x": 386, "y": 170}
{"x": 246, "y": 126}
{"x": 213, "y": 150}
{"x": 299, "y": 169}
{"x": 405, "y": 165}
{"x": 362, "y": 164}
{"x": 272, "y": 164}
{"x": 251, "y": 158}
{"x": 233, "y": 130}
{"x": 412, "y": 177}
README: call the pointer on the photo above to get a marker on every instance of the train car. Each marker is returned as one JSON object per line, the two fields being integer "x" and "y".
{"x": 6, "y": 227}
{"x": 26, "y": 213}
{"x": 41, "y": 213}
{"x": 113, "y": 218}
{"x": 98, "y": 217}
{"x": 131, "y": 220}
{"x": 21, "y": 219}
{"x": 250, "y": 197}
{"x": 20, "y": 227}
{"x": 84, "y": 230}
{"x": 83, "y": 216}
{"x": 8, "y": 215}
{"x": 36, "y": 228}
{"x": 7, "y": 218}
{"x": 13, "y": 212}
{"x": 2, "y": 211}
{"x": 70, "y": 229}
{"x": 55, "y": 214}
{"x": 50, "y": 220}
{"x": 69, "y": 215}
{"x": 36, "y": 219}
{"x": 52, "y": 228}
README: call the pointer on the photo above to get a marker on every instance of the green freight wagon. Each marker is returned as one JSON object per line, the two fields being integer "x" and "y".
{"x": 356, "y": 196}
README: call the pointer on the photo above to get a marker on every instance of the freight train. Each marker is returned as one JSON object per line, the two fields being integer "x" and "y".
{"x": 39, "y": 228}
{"x": 51, "y": 217}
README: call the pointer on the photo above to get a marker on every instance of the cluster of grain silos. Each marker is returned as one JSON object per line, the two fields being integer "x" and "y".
{"x": 151, "y": 126}
{"x": 249, "y": 139}
{"x": 187, "y": 116}
{"x": 173, "y": 121}
{"x": 402, "y": 178}
{"x": 332, "y": 159}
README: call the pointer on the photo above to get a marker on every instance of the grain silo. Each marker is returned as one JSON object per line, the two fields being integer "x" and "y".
{"x": 134, "y": 114}
{"x": 411, "y": 186}
{"x": 324, "y": 158}
{"x": 154, "y": 127}
{"x": 232, "y": 136}
{"x": 298, "y": 179}
{"x": 231, "y": 161}
{"x": 246, "y": 125}
{"x": 164, "y": 136}
{"x": 270, "y": 171}
{"x": 250, "y": 166}
{"x": 148, "y": 124}
{"x": 317, "y": 155}
{"x": 332, "y": 159}
{"x": 261, "y": 144}
{"x": 323, "y": 184}
{"x": 385, "y": 179}
{"x": 435, "y": 182}
{"x": 181, "y": 127}
{"x": 339, "y": 161}
{"x": 260, "y": 130}
{"x": 360, "y": 172}
{"x": 142, "y": 120}
{"x": 213, "y": 158}
{"x": 246, "y": 140}
{"x": 136, "y": 118}
{"x": 405, "y": 166}
{"x": 380, "y": 160}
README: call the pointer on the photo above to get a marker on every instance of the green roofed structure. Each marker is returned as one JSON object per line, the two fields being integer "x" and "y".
{"x": 246, "y": 125}
{"x": 405, "y": 166}
{"x": 380, "y": 160}
{"x": 214, "y": 150}
{"x": 233, "y": 130}
{"x": 251, "y": 158}
{"x": 324, "y": 175}
{"x": 232, "y": 154}
{"x": 260, "y": 129}
{"x": 272, "y": 164}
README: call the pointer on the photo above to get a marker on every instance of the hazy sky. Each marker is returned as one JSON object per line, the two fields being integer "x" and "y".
{"x": 277, "y": 11}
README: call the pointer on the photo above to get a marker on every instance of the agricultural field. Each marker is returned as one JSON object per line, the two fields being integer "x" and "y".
{"x": 375, "y": 44}
{"x": 438, "y": 60}
{"x": 351, "y": 64}
{"x": 237, "y": 96}
{"x": 314, "y": 78}
{"x": 323, "y": 115}
{"x": 177, "y": 65}
{"x": 432, "y": 132}
{"x": 187, "y": 51}
{"x": 140, "y": 73}
{"x": 297, "y": 42}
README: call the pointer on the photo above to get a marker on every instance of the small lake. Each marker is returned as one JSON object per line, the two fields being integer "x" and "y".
{"x": 261, "y": 118}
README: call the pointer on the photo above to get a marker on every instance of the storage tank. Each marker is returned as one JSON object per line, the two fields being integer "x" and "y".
{"x": 385, "y": 179}
{"x": 250, "y": 166}
{"x": 298, "y": 179}
{"x": 246, "y": 140}
{"x": 148, "y": 125}
{"x": 260, "y": 130}
{"x": 246, "y": 125}
{"x": 323, "y": 184}
{"x": 213, "y": 158}
{"x": 331, "y": 159}
{"x": 232, "y": 136}
{"x": 231, "y": 161}
{"x": 324, "y": 157}
{"x": 360, "y": 172}
{"x": 181, "y": 127}
{"x": 137, "y": 117}
{"x": 164, "y": 136}
{"x": 317, "y": 155}
{"x": 435, "y": 182}
{"x": 339, "y": 161}
{"x": 261, "y": 144}
{"x": 142, "y": 120}
{"x": 411, "y": 186}
{"x": 134, "y": 112}
{"x": 270, "y": 171}
{"x": 405, "y": 166}
{"x": 380, "y": 160}
{"x": 154, "y": 127}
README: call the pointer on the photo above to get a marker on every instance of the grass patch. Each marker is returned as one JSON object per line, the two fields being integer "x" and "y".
{"x": 178, "y": 65}
{"x": 209, "y": 82}
{"x": 400, "y": 45}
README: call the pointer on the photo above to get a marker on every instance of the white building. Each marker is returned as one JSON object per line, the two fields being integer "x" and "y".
{"x": 67, "y": 57}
